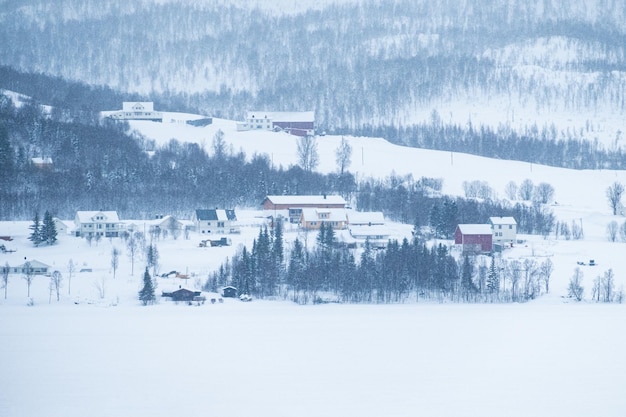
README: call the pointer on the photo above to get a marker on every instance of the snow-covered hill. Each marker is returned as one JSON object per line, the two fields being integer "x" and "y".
{"x": 86, "y": 355}
{"x": 375, "y": 157}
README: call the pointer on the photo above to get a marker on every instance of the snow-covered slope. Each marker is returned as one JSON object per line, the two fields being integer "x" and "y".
{"x": 376, "y": 157}
{"x": 109, "y": 356}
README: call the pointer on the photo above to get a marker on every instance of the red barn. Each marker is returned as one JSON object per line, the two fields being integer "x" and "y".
{"x": 474, "y": 237}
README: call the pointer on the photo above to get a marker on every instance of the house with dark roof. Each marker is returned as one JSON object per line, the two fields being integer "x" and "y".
{"x": 215, "y": 221}
{"x": 183, "y": 294}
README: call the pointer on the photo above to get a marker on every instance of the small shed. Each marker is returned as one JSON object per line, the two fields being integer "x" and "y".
{"x": 229, "y": 292}
{"x": 183, "y": 294}
{"x": 474, "y": 238}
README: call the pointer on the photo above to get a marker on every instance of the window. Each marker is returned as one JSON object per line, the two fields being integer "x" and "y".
{"x": 220, "y": 224}
{"x": 499, "y": 226}
{"x": 510, "y": 227}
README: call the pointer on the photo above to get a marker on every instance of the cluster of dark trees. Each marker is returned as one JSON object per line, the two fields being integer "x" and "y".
{"x": 402, "y": 272}
{"x": 43, "y": 232}
{"x": 540, "y": 146}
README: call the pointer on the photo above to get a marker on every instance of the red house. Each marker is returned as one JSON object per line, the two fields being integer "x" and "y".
{"x": 474, "y": 238}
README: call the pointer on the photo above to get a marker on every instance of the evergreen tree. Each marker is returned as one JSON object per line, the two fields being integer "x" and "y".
{"x": 35, "y": 235}
{"x": 493, "y": 280}
{"x": 152, "y": 258}
{"x": 146, "y": 295}
{"x": 467, "y": 283}
{"x": 6, "y": 155}
{"x": 297, "y": 266}
{"x": 48, "y": 229}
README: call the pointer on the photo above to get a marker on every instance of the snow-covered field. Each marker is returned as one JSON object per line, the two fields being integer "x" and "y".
{"x": 87, "y": 355}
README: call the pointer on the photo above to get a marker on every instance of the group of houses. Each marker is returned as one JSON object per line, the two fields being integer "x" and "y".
{"x": 310, "y": 212}
{"x": 295, "y": 123}
{"x": 104, "y": 223}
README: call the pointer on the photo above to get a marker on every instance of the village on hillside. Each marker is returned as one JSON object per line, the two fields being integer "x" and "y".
{"x": 209, "y": 228}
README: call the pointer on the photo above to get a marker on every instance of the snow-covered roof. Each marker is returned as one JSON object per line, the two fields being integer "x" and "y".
{"x": 42, "y": 161}
{"x": 475, "y": 229}
{"x": 34, "y": 264}
{"x": 379, "y": 231}
{"x": 216, "y": 214}
{"x": 324, "y": 214}
{"x": 138, "y": 106}
{"x": 90, "y": 216}
{"x": 502, "y": 220}
{"x": 294, "y": 200}
{"x": 300, "y": 116}
{"x": 365, "y": 217}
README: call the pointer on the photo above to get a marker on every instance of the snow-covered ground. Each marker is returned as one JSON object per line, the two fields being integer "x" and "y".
{"x": 109, "y": 356}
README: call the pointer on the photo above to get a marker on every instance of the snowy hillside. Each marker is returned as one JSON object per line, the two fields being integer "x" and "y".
{"x": 97, "y": 352}
{"x": 356, "y": 63}
{"x": 376, "y": 157}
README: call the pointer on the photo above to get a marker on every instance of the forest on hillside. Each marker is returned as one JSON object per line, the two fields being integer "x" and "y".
{"x": 97, "y": 165}
{"x": 356, "y": 64}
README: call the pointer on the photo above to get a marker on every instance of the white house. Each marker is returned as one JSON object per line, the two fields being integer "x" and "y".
{"x": 378, "y": 235}
{"x": 504, "y": 230}
{"x": 368, "y": 225}
{"x": 297, "y": 123}
{"x": 142, "y": 110}
{"x": 35, "y": 267}
{"x": 60, "y": 226}
{"x": 102, "y": 223}
{"x": 215, "y": 221}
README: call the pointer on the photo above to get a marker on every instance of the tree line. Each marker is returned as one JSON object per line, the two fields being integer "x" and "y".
{"x": 407, "y": 271}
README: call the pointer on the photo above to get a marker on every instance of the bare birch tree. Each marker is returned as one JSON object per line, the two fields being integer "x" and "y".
{"x": 308, "y": 156}
{"x": 614, "y": 195}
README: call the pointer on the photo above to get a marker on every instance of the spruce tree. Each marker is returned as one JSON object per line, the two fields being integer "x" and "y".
{"x": 493, "y": 280}
{"x": 146, "y": 295}
{"x": 48, "y": 229}
{"x": 35, "y": 235}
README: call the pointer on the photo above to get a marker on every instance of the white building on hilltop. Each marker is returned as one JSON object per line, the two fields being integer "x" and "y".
{"x": 141, "y": 110}
{"x": 296, "y": 123}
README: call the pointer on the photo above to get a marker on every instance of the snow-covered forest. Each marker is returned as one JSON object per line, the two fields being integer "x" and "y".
{"x": 532, "y": 65}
